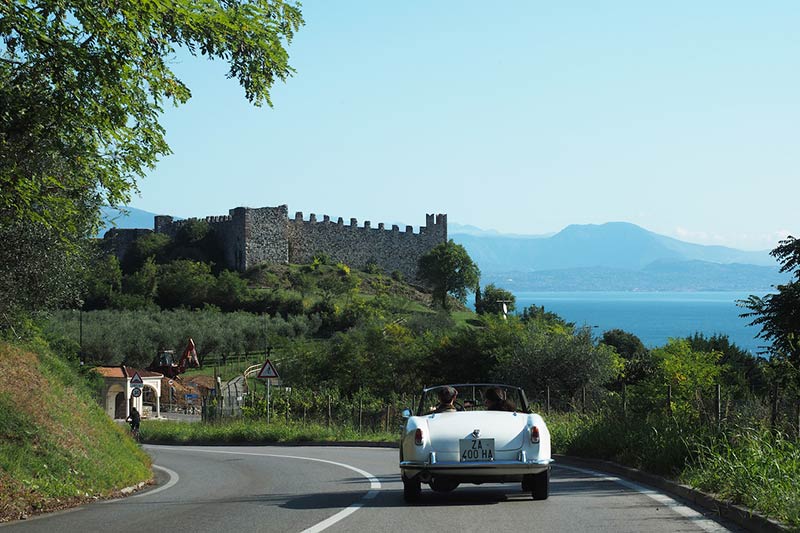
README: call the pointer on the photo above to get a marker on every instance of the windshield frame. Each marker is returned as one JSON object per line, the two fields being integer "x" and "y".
{"x": 474, "y": 395}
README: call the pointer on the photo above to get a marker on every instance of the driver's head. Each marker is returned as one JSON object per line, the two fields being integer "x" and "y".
{"x": 447, "y": 394}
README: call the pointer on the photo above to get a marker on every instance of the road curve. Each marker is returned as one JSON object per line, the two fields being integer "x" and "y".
{"x": 311, "y": 489}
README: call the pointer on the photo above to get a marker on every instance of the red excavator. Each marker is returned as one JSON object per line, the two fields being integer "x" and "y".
{"x": 165, "y": 363}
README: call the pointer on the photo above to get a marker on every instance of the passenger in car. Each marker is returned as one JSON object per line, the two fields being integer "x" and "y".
{"x": 496, "y": 400}
{"x": 447, "y": 395}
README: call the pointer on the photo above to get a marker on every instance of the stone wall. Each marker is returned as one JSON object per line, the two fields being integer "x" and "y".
{"x": 265, "y": 234}
{"x": 391, "y": 249}
{"x": 118, "y": 241}
{"x": 249, "y": 237}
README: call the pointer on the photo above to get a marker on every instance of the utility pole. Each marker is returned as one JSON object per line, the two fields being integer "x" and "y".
{"x": 504, "y": 303}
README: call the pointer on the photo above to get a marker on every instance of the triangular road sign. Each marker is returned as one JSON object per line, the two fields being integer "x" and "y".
{"x": 267, "y": 371}
{"x": 136, "y": 380}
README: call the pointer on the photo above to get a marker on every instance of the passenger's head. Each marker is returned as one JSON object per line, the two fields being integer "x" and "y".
{"x": 494, "y": 396}
{"x": 447, "y": 394}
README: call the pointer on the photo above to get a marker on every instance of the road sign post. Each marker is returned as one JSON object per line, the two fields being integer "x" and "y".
{"x": 266, "y": 373}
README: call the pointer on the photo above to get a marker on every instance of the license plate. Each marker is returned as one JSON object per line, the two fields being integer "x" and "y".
{"x": 476, "y": 450}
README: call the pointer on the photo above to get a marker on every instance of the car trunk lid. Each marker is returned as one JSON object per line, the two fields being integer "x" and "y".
{"x": 507, "y": 429}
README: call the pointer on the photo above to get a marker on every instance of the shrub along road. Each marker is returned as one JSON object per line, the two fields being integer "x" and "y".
{"x": 303, "y": 488}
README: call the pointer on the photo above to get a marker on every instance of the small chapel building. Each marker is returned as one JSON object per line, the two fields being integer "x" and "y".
{"x": 126, "y": 387}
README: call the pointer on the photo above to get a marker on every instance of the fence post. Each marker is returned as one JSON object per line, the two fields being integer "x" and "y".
{"x": 669, "y": 399}
{"x": 797, "y": 418}
{"x": 624, "y": 400}
{"x": 583, "y": 400}
{"x": 547, "y": 401}
{"x": 329, "y": 410}
{"x": 773, "y": 419}
{"x": 719, "y": 406}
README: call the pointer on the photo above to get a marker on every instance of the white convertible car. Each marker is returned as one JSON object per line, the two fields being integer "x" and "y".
{"x": 474, "y": 433}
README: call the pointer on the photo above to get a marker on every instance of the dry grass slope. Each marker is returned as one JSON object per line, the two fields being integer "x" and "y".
{"x": 57, "y": 447}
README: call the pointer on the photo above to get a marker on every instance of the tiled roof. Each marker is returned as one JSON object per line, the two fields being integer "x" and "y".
{"x": 116, "y": 372}
{"x": 142, "y": 373}
{"x": 109, "y": 371}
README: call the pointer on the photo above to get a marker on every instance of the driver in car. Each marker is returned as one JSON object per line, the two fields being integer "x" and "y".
{"x": 447, "y": 395}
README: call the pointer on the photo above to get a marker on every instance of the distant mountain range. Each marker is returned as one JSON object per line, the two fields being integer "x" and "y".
{"x": 616, "y": 256}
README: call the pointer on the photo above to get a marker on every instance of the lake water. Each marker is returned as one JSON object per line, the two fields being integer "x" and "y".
{"x": 654, "y": 317}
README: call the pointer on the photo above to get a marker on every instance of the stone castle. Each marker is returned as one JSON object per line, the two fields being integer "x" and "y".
{"x": 249, "y": 237}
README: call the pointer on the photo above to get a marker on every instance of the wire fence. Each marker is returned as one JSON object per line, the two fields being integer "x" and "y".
{"x": 717, "y": 405}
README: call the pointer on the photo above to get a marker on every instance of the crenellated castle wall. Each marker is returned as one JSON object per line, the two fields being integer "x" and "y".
{"x": 249, "y": 237}
{"x": 391, "y": 249}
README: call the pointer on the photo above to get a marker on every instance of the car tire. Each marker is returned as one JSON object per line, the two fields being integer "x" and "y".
{"x": 540, "y": 485}
{"x": 412, "y": 488}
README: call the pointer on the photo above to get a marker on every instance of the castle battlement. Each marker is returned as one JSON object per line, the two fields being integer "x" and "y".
{"x": 431, "y": 222}
{"x": 250, "y": 236}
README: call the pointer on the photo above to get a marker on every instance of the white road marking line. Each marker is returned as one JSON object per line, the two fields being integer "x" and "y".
{"x": 173, "y": 478}
{"x": 374, "y": 483}
{"x": 687, "y": 512}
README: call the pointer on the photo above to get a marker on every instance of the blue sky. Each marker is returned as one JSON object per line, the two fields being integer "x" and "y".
{"x": 523, "y": 117}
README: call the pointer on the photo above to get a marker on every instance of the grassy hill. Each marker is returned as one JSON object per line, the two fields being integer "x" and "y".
{"x": 57, "y": 447}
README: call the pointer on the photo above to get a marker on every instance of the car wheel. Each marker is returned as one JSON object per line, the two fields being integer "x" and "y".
{"x": 411, "y": 489}
{"x": 527, "y": 483}
{"x": 540, "y": 485}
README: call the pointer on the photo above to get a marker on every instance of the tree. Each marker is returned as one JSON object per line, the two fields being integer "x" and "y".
{"x": 38, "y": 272}
{"x": 229, "y": 291}
{"x": 536, "y": 357}
{"x": 638, "y": 361}
{"x": 150, "y": 245}
{"x": 691, "y": 374}
{"x": 536, "y": 313}
{"x": 104, "y": 281}
{"x": 143, "y": 282}
{"x": 778, "y": 314}
{"x": 491, "y": 300}
{"x": 742, "y": 372}
{"x": 184, "y": 283}
{"x": 82, "y": 86}
{"x": 449, "y": 269}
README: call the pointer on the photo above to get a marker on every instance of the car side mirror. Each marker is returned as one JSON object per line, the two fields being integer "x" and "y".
{"x": 406, "y": 413}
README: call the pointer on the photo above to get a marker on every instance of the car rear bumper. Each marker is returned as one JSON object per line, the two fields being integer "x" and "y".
{"x": 474, "y": 470}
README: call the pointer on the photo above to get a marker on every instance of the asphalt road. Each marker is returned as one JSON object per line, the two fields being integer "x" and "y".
{"x": 271, "y": 488}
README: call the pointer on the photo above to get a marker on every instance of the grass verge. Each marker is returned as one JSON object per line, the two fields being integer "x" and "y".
{"x": 57, "y": 447}
{"x": 253, "y": 432}
{"x": 752, "y": 467}
{"x": 746, "y": 466}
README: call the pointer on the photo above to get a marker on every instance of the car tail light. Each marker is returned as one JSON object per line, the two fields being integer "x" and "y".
{"x": 534, "y": 435}
{"x": 418, "y": 437}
